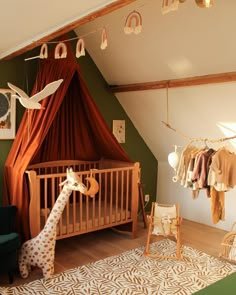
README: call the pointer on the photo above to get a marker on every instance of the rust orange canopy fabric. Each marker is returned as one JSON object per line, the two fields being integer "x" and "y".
{"x": 70, "y": 127}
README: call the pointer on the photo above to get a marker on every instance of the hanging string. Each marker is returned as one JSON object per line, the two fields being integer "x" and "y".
{"x": 167, "y": 103}
{"x": 199, "y": 139}
{"x": 90, "y": 32}
{"x": 27, "y": 91}
{"x": 191, "y": 139}
{"x": 77, "y": 37}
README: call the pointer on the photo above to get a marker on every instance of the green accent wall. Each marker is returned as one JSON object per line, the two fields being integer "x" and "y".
{"x": 22, "y": 74}
{"x": 111, "y": 110}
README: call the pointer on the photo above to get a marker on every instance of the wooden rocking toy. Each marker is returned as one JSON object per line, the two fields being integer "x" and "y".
{"x": 164, "y": 221}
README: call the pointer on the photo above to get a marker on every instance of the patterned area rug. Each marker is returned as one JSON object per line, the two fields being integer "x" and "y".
{"x": 132, "y": 273}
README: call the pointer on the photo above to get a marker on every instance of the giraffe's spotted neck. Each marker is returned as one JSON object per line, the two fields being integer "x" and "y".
{"x": 58, "y": 208}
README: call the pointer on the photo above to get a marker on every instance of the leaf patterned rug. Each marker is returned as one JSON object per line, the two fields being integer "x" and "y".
{"x": 132, "y": 273}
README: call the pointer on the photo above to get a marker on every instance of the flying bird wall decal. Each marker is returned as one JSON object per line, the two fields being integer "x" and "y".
{"x": 33, "y": 101}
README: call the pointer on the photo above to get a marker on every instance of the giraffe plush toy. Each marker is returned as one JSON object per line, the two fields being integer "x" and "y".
{"x": 40, "y": 251}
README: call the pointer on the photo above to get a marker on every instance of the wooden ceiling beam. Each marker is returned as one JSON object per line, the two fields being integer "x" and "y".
{"x": 88, "y": 18}
{"x": 183, "y": 82}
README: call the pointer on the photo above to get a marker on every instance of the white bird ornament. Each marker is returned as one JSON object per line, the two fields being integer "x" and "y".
{"x": 33, "y": 101}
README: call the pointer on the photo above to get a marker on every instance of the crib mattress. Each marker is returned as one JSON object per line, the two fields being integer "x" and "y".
{"x": 92, "y": 216}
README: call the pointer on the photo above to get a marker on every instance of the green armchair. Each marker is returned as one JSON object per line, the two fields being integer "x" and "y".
{"x": 9, "y": 241}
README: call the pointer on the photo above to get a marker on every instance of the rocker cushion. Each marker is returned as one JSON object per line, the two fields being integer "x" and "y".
{"x": 164, "y": 220}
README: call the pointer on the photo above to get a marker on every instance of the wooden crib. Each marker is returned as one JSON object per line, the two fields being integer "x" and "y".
{"x": 115, "y": 204}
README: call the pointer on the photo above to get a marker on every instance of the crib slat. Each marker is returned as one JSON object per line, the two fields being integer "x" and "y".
{"x": 105, "y": 194}
{"x": 93, "y": 212}
{"x": 99, "y": 202}
{"x": 53, "y": 191}
{"x": 127, "y": 196}
{"x": 81, "y": 212}
{"x": 67, "y": 212}
{"x": 111, "y": 195}
{"x": 122, "y": 196}
{"x": 116, "y": 195}
{"x": 87, "y": 212}
{"x": 45, "y": 215}
{"x": 74, "y": 211}
{"x": 60, "y": 221}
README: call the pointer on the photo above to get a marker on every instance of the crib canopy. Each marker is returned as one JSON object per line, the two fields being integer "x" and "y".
{"x": 70, "y": 127}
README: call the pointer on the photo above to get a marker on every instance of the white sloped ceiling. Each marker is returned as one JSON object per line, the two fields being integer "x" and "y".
{"x": 189, "y": 42}
{"x": 26, "y": 21}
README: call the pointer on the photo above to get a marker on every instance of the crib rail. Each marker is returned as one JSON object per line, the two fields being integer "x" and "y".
{"x": 61, "y": 166}
{"x": 116, "y": 202}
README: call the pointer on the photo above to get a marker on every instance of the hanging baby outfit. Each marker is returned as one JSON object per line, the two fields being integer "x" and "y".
{"x": 214, "y": 171}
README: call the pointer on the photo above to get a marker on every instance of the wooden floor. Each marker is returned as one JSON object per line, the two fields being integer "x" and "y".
{"x": 90, "y": 247}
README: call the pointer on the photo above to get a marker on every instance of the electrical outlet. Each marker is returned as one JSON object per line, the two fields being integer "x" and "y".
{"x": 146, "y": 197}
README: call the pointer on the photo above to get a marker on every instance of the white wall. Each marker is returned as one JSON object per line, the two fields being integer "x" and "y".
{"x": 199, "y": 209}
{"x": 196, "y": 112}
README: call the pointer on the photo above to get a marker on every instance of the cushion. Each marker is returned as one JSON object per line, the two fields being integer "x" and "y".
{"x": 164, "y": 222}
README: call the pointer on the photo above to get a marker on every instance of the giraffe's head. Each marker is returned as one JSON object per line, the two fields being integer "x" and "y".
{"x": 73, "y": 181}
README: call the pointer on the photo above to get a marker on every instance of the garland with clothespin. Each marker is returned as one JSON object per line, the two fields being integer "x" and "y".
{"x": 191, "y": 139}
{"x": 133, "y": 24}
